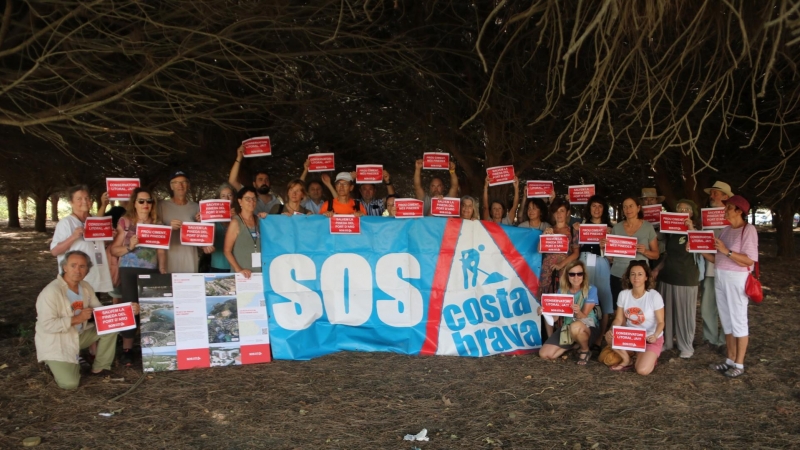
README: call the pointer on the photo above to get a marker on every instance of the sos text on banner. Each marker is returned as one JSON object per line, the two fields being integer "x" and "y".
{"x": 426, "y": 286}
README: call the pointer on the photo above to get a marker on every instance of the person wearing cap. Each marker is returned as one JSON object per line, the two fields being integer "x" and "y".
{"x": 717, "y": 194}
{"x": 678, "y": 275}
{"x": 737, "y": 253}
{"x": 173, "y": 212}
{"x": 374, "y": 206}
{"x": 343, "y": 203}
{"x": 436, "y": 187}
{"x": 261, "y": 183}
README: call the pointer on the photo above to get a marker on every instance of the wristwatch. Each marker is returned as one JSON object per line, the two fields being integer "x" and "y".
{"x": 730, "y": 252}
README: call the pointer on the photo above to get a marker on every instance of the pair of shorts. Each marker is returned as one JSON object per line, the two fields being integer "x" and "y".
{"x": 656, "y": 346}
{"x": 555, "y": 338}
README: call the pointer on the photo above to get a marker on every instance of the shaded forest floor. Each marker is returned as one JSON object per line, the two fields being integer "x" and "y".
{"x": 371, "y": 400}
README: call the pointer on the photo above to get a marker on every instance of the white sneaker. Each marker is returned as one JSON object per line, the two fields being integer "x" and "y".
{"x": 686, "y": 355}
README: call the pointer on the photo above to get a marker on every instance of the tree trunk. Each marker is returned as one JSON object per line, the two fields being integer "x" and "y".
{"x": 40, "y": 222}
{"x": 782, "y": 218}
{"x": 54, "y": 208}
{"x": 25, "y": 214}
{"x": 12, "y": 195}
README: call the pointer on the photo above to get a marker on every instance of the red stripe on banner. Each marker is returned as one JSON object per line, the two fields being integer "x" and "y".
{"x": 513, "y": 257}
{"x": 446, "y": 254}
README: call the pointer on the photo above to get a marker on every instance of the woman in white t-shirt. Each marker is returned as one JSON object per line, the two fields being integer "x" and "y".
{"x": 639, "y": 306}
{"x": 69, "y": 236}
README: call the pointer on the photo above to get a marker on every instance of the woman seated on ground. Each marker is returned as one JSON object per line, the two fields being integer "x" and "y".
{"x": 583, "y": 325}
{"x": 468, "y": 209}
{"x": 495, "y": 210}
{"x": 242, "y": 239}
{"x": 535, "y": 211}
{"x": 639, "y": 306}
{"x": 295, "y": 193}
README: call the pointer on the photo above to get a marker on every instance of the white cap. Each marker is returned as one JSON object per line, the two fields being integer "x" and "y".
{"x": 344, "y": 176}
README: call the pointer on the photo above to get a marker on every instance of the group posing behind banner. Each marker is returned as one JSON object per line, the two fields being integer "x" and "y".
{"x": 604, "y": 266}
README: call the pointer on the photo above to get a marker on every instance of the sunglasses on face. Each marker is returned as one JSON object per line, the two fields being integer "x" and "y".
{"x": 142, "y": 201}
{"x": 575, "y": 274}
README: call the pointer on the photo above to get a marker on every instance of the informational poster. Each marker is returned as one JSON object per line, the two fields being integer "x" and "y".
{"x": 257, "y": 146}
{"x": 591, "y": 233}
{"x": 539, "y": 189}
{"x": 436, "y": 161}
{"x": 98, "y": 229}
{"x": 194, "y": 320}
{"x": 628, "y": 338}
{"x": 702, "y": 242}
{"x": 345, "y": 224}
{"x": 674, "y": 223}
{"x": 369, "y": 173}
{"x": 621, "y": 246}
{"x": 500, "y": 175}
{"x": 154, "y": 236}
{"x": 197, "y": 234}
{"x": 652, "y": 214}
{"x": 557, "y": 305}
{"x": 446, "y": 207}
{"x": 215, "y": 210}
{"x": 408, "y": 208}
{"x": 114, "y": 318}
{"x": 120, "y": 189}
{"x": 553, "y": 243}
{"x": 580, "y": 194}
{"x": 713, "y": 218}
{"x": 321, "y": 162}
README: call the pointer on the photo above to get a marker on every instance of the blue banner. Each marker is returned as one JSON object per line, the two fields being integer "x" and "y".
{"x": 411, "y": 286}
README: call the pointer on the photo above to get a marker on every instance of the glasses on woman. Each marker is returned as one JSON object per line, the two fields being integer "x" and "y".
{"x": 142, "y": 201}
{"x": 575, "y": 274}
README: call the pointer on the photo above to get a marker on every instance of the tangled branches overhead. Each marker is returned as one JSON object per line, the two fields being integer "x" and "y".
{"x": 631, "y": 80}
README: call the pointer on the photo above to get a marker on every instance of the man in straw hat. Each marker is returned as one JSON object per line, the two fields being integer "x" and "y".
{"x": 650, "y": 196}
{"x": 717, "y": 194}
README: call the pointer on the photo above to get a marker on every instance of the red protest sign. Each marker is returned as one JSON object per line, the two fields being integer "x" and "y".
{"x": 407, "y": 208}
{"x": 431, "y": 160}
{"x": 628, "y": 338}
{"x": 580, "y": 194}
{"x": 257, "y": 146}
{"x": 713, "y": 218}
{"x": 652, "y": 214}
{"x": 369, "y": 173}
{"x": 621, "y": 246}
{"x": 557, "y": 305}
{"x": 345, "y": 224}
{"x": 154, "y": 236}
{"x": 446, "y": 207}
{"x": 590, "y": 233}
{"x": 98, "y": 229}
{"x": 674, "y": 223}
{"x": 215, "y": 210}
{"x": 553, "y": 243}
{"x": 702, "y": 242}
{"x": 197, "y": 234}
{"x": 114, "y": 318}
{"x": 121, "y": 188}
{"x": 321, "y": 162}
{"x": 500, "y": 175}
{"x": 539, "y": 189}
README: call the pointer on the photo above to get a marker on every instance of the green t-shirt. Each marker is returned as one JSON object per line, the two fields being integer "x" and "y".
{"x": 643, "y": 235}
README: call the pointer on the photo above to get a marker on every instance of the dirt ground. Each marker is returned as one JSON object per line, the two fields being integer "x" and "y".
{"x": 371, "y": 400}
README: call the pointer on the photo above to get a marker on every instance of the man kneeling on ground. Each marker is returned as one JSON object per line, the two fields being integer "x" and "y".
{"x": 63, "y": 310}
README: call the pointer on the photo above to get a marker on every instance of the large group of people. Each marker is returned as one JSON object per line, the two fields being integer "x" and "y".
{"x": 657, "y": 290}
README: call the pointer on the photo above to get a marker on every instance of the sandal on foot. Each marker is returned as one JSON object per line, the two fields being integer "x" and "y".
{"x": 723, "y": 367}
{"x": 584, "y": 358}
{"x": 619, "y": 368}
{"x": 734, "y": 372}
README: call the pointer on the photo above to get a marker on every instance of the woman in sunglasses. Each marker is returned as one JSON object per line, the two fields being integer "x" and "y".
{"x": 135, "y": 260}
{"x": 583, "y": 324}
{"x": 639, "y": 306}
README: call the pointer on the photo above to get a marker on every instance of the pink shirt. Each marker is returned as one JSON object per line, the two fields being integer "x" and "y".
{"x": 732, "y": 237}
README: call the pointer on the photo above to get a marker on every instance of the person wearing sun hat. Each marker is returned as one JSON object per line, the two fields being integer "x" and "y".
{"x": 737, "y": 253}
{"x": 650, "y": 196}
{"x": 712, "y": 334}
